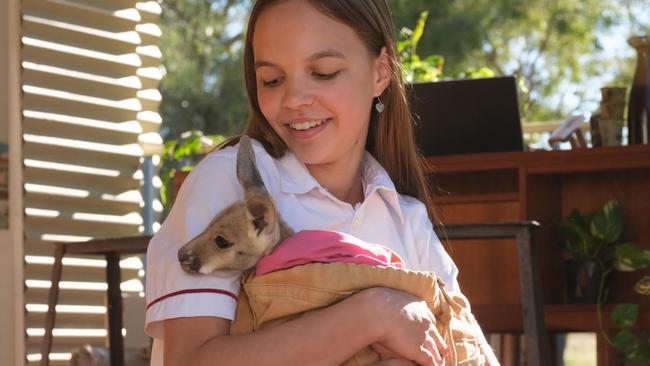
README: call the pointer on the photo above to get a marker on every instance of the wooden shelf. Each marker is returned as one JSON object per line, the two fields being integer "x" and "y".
{"x": 540, "y": 162}
{"x": 543, "y": 186}
{"x": 476, "y": 198}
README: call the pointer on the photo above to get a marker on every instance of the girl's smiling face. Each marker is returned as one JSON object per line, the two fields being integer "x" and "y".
{"x": 316, "y": 81}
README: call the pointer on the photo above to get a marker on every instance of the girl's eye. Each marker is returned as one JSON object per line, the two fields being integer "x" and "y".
{"x": 330, "y": 76}
{"x": 271, "y": 83}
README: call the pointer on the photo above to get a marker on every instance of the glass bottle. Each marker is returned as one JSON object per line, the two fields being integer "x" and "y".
{"x": 638, "y": 112}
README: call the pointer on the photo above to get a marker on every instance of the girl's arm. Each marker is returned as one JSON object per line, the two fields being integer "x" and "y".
{"x": 329, "y": 336}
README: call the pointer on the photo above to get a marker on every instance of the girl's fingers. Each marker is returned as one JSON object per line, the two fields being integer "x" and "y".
{"x": 384, "y": 351}
{"x": 394, "y": 362}
{"x": 426, "y": 357}
{"x": 440, "y": 343}
{"x": 432, "y": 348}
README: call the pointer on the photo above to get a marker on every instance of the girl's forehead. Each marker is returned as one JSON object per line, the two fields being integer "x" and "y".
{"x": 295, "y": 29}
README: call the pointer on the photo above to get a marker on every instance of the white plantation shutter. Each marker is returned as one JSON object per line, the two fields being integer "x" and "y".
{"x": 90, "y": 73}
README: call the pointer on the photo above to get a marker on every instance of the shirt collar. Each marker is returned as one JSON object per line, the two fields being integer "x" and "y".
{"x": 377, "y": 180}
{"x": 296, "y": 179}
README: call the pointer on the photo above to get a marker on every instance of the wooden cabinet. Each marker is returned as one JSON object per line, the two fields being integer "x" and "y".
{"x": 542, "y": 186}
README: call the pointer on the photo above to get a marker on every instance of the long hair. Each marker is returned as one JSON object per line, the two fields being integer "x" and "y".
{"x": 390, "y": 136}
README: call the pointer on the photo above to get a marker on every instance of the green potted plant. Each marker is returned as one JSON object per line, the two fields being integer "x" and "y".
{"x": 631, "y": 341}
{"x": 590, "y": 240}
{"x": 593, "y": 244}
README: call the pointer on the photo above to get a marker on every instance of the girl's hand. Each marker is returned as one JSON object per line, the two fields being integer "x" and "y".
{"x": 389, "y": 358}
{"x": 394, "y": 362}
{"x": 406, "y": 327}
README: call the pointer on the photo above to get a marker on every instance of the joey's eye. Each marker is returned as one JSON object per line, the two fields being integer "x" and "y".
{"x": 222, "y": 243}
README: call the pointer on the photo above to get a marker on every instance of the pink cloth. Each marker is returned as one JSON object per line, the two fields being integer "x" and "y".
{"x": 320, "y": 246}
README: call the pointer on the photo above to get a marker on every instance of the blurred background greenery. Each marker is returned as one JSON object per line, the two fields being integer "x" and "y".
{"x": 561, "y": 51}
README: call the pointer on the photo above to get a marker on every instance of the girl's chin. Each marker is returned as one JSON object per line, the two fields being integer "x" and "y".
{"x": 309, "y": 156}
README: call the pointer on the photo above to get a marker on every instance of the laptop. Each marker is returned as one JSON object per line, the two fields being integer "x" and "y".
{"x": 466, "y": 116}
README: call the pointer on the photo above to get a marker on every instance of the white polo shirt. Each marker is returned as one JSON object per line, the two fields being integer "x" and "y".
{"x": 385, "y": 217}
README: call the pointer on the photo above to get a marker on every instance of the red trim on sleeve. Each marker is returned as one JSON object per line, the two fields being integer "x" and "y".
{"x": 193, "y": 291}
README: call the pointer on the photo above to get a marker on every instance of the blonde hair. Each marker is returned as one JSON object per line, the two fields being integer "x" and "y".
{"x": 390, "y": 135}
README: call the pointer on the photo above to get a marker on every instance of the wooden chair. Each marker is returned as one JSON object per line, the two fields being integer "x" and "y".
{"x": 112, "y": 249}
{"x": 532, "y": 305}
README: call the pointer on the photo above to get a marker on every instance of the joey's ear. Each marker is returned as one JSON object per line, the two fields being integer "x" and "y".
{"x": 261, "y": 213}
{"x": 247, "y": 173}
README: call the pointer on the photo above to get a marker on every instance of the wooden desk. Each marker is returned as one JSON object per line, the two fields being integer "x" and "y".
{"x": 542, "y": 186}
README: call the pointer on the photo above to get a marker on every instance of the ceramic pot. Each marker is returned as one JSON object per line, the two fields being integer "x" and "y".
{"x": 583, "y": 279}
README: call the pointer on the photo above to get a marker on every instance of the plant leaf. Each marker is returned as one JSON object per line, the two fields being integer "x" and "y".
{"x": 419, "y": 29}
{"x": 577, "y": 218}
{"x": 607, "y": 223}
{"x": 630, "y": 257}
{"x": 574, "y": 239}
{"x": 625, "y": 341}
{"x": 643, "y": 286}
{"x": 625, "y": 315}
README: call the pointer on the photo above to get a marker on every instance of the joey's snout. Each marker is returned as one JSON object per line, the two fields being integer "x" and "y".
{"x": 189, "y": 261}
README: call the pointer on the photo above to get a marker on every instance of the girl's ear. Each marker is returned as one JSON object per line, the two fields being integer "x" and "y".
{"x": 383, "y": 72}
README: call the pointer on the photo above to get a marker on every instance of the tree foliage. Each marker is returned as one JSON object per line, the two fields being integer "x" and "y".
{"x": 553, "y": 47}
{"x": 203, "y": 87}
{"x": 547, "y": 45}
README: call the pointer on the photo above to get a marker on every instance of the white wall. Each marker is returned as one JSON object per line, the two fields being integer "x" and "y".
{"x": 12, "y": 344}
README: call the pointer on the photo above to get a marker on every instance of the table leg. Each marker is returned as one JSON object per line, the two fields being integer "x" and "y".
{"x": 114, "y": 300}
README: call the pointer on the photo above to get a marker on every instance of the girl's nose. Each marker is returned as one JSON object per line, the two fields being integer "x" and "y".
{"x": 297, "y": 95}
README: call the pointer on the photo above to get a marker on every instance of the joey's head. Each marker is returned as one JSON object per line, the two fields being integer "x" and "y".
{"x": 242, "y": 233}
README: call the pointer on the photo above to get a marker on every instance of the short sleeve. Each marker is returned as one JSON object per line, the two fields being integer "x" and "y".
{"x": 432, "y": 254}
{"x": 438, "y": 260}
{"x": 172, "y": 293}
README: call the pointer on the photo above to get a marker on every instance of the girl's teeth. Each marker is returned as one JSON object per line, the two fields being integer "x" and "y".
{"x": 305, "y": 125}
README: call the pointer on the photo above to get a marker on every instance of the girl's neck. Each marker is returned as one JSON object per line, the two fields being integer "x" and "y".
{"x": 342, "y": 179}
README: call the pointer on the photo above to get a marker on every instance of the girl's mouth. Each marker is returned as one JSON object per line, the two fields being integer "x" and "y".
{"x": 302, "y": 126}
{"x": 307, "y": 129}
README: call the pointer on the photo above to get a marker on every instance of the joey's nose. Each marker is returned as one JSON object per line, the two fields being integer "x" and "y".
{"x": 189, "y": 262}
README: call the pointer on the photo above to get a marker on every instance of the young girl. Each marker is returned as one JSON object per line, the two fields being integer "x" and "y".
{"x": 335, "y": 150}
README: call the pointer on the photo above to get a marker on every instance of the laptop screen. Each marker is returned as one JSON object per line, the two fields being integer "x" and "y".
{"x": 466, "y": 116}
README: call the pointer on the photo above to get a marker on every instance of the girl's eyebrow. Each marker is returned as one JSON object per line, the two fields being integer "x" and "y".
{"x": 316, "y": 56}
{"x": 330, "y": 52}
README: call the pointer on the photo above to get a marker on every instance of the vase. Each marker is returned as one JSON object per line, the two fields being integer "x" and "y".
{"x": 607, "y": 123}
{"x": 583, "y": 280}
{"x": 638, "y": 111}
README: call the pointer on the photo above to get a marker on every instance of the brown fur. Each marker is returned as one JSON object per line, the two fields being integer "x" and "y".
{"x": 243, "y": 232}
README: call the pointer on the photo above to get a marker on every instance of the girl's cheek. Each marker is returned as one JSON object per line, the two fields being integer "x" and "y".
{"x": 268, "y": 107}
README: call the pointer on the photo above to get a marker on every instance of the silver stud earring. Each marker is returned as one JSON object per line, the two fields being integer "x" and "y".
{"x": 379, "y": 106}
